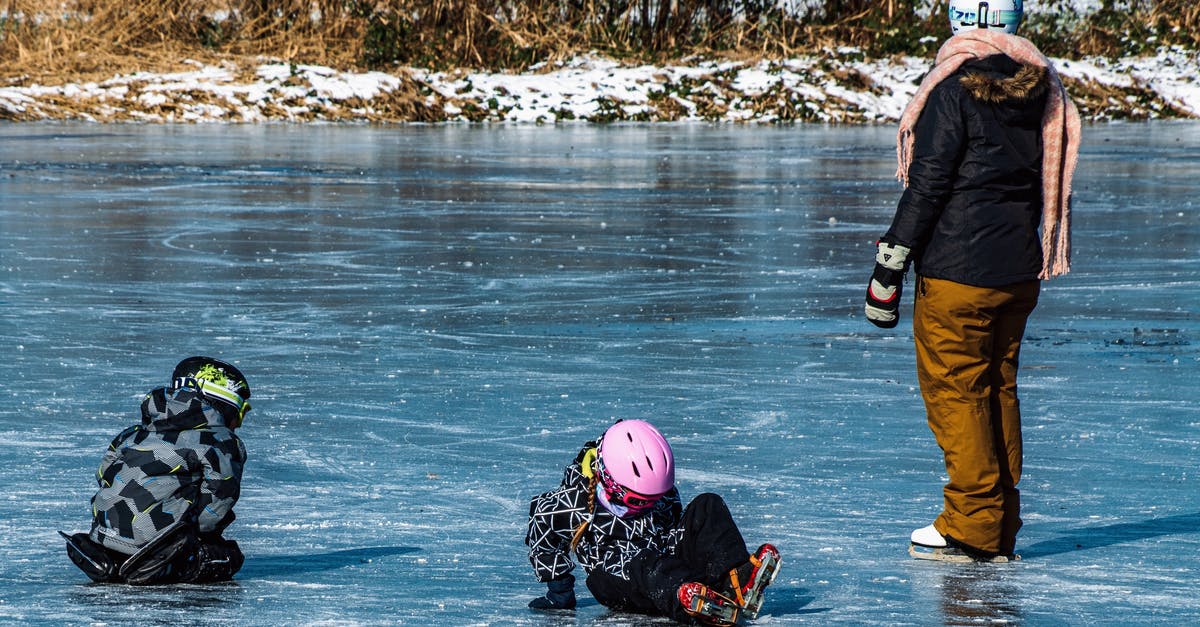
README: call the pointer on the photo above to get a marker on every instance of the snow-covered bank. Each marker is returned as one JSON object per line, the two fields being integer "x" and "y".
{"x": 840, "y": 87}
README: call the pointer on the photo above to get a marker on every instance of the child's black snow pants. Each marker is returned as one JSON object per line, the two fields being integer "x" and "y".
{"x": 711, "y": 545}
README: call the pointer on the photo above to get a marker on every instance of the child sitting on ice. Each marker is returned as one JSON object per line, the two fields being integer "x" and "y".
{"x": 168, "y": 485}
{"x": 618, "y": 510}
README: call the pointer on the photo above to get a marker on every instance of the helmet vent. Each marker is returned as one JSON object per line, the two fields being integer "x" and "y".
{"x": 635, "y": 470}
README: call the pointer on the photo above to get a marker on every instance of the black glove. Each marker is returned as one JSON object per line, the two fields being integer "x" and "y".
{"x": 559, "y": 596}
{"x": 883, "y": 292}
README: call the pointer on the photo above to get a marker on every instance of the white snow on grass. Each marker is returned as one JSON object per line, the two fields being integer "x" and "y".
{"x": 840, "y": 86}
{"x": 1171, "y": 74}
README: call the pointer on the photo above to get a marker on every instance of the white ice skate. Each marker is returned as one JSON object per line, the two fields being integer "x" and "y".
{"x": 927, "y": 544}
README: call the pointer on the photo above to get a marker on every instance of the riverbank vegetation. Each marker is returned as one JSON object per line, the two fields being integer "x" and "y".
{"x": 57, "y": 40}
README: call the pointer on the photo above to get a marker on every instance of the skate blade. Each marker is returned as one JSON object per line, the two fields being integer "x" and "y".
{"x": 80, "y": 552}
{"x": 714, "y": 612}
{"x": 768, "y": 570}
{"x": 953, "y": 556}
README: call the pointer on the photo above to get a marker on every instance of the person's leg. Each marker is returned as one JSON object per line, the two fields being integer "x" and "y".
{"x": 952, "y": 329}
{"x": 709, "y": 546}
{"x": 1005, "y": 406}
{"x": 166, "y": 560}
{"x": 99, "y": 563}
{"x": 731, "y": 581}
{"x": 217, "y": 559}
{"x": 652, "y": 587}
{"x": 711, "y": 543}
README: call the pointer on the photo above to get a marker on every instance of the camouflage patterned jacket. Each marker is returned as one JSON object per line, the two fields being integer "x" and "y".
{"x": 608, "y": 542}
{"x": 182, "y": 461}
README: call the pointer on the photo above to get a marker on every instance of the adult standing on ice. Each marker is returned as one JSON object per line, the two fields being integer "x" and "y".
{"x": 986, "y": 151}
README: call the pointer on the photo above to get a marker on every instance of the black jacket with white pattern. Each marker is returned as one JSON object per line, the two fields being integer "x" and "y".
{"x": 608, "y": 542}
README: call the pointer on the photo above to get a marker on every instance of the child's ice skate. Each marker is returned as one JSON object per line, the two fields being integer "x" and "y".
{"x": 707, "y": 605}
{"x": 91, "y": 558}
{"x": 741, "y": 597}
{"x": 749, "y": 594}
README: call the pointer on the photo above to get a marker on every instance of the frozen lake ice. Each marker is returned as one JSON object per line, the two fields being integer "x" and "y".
{"x": 434, "y": 318}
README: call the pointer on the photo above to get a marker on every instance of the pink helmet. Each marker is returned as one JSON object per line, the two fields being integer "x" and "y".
{"x": 635, "y": 456}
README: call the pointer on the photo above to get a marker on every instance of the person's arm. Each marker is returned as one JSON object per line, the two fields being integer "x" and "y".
{"x": 107, "y": 471}
{"x": 221, "y": 484}
{"x": 551, "y": 518}
{"x": 939, "y": 143}
{"x": 938, "y": 148}
{"x": 552, "y": 521}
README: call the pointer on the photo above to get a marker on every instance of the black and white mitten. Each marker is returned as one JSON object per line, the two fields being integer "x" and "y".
{"x": 883, "y": 292}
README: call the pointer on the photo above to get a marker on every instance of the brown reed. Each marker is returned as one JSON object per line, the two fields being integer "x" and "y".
{"x": 47, "y": 40}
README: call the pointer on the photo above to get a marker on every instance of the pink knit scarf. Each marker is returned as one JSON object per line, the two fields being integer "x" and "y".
{"x": 1060, "y": 133}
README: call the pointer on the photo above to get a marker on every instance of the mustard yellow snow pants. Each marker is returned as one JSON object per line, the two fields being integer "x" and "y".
{"x": 968, "y": 340}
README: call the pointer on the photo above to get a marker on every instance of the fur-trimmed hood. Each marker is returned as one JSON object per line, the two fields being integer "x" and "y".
{"x": 994, "y": 85}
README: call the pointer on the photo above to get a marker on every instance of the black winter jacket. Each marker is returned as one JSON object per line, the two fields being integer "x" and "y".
{"x": 973, "y": 205}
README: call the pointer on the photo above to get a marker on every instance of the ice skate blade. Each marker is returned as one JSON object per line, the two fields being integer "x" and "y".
{"x": 954, "y": 556}
{"x": 718, "y": 616}
{"x": 769, "y": 569}
{"x": 714, "y": 610}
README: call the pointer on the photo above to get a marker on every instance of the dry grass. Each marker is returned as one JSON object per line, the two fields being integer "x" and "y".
{"x": 56, "y": 40}
{"x": 43, "y": 39}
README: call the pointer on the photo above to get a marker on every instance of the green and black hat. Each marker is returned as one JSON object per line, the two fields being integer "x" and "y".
{"x": 219, "y": 382}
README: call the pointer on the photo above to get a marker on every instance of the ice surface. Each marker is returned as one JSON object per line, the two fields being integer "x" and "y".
{"x": 434, "y": 318}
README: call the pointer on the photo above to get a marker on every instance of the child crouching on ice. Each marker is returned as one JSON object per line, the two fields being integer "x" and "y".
{"x": 618, "y": 510}
{"x": 167, "y": 486}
